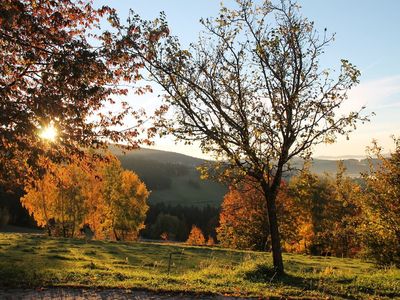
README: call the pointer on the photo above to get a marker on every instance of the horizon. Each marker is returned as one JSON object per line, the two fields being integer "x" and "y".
{"x": 322, "y": 157}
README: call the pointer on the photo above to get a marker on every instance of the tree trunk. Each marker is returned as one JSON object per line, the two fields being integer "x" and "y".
{"x": 117, "y": 238}
{"x": 271, "y": 194}
{"x": 275, "y": 236}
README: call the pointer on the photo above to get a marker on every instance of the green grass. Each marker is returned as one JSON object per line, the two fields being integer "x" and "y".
{"x": 28, "y": 260}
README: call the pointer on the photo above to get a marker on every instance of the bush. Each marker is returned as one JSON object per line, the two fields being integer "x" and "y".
{"x": 196, "y": 237}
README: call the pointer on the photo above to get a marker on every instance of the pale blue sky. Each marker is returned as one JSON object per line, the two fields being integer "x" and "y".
{"x": 367, "y": 34}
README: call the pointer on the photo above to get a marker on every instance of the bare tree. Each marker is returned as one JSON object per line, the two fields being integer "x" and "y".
{"x": 252, "y": 91}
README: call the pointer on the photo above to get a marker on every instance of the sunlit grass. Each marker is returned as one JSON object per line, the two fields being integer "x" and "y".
{"x": 35, "y": 260}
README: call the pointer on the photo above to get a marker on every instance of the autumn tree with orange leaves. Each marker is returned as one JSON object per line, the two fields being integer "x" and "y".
{"x": 243, "y": 223}
{"x": 326, "y": 210}
{"x": 125, "y": 198}
{"x": 108, "y": 199}
{"x": 196, "y": 237}
{"x": 56, "y": 69}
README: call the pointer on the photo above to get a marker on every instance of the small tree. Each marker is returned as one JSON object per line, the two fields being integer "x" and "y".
{"x": 243, "y": 223}
{"x": 251, "y": 91}
{"x": 196, "y": 237}
{"x": 40, "y": 200}
{"x": 164, "y": 236}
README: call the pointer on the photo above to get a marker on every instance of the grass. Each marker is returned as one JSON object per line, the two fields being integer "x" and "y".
{"x": 31, "y": 260}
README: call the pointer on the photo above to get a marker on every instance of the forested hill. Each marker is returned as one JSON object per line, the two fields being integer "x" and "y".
{"x": 173, "y": 178}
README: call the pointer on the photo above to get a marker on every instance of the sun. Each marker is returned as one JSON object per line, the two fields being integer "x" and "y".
{"x": 49, "y": 133}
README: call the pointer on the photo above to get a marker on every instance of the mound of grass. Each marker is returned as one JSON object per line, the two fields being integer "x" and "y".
{"x": 28, "y": 260}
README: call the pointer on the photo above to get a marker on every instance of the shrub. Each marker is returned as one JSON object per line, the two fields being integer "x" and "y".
{"x": 196, "y": 237}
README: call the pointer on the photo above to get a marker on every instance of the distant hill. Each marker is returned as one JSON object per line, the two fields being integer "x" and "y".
{"x": 173, "y": 178}
{"x": 161, "y": 156}
{"x": 353, "y": 166}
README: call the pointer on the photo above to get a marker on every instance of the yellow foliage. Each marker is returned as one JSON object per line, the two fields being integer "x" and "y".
{"x": 100, "y": 194}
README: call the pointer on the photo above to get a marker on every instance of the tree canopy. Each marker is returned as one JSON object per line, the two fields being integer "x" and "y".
{"x": 252, "y": 91}
{"x": 58, "y": 68}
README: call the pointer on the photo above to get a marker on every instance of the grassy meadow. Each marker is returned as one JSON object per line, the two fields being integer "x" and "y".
{"x": 33, "y": 260}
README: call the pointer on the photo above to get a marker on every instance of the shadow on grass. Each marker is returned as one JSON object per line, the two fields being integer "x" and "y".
{"x": 334, "y": 287}
{"x": 25, "y": 261}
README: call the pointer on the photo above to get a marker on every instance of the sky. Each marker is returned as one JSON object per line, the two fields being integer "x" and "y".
{"x": 367, "y": 34}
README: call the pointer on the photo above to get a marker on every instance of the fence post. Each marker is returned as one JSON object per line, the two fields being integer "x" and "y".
{"x": 169, "y": 262}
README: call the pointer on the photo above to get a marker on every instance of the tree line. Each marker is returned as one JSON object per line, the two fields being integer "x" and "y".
{"x": 174, "y": 222}
{"x": 322, "y": 215}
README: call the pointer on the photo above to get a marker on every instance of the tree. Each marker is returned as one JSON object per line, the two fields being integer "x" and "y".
{"x": 243, "y": 223}
{"x": 125, "y": 198}
{"x": 51, "y": 72}
{"x": 251, "y": 91}
{"x": 100, "y": 196}
{"x": 57, "y": 200}
{"x": 348, "y": 192}
{"x": 210, "y": 241}
{"x": 70, "y": 207}
{"x": 95, "y": 206}
{"x": 196, "y": 237}
{"x": 380, "y": 207}
{"x": 326, "y": 208}
{"x": 40, "y": 199}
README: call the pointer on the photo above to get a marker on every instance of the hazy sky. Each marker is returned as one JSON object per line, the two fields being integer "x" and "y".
{"x": 367, "y": 34}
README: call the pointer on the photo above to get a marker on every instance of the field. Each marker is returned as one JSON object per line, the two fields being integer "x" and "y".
{"x": 32, "y": 260}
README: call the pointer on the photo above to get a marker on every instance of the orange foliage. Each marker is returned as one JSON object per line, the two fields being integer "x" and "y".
{"x": 196, "y": 237}
{"x": 164, "y": 236}
{"x": 98, "y": 194}
{"x": 243, "y": 219}
{"x": 52, "y": 71}
{"x": 210, "y": 241}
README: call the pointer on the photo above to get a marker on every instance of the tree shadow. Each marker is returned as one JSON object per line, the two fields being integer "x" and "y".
{"x": 327, "y": 286}
{"x": 29, "y": 260}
